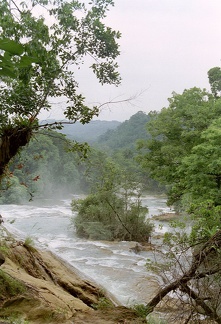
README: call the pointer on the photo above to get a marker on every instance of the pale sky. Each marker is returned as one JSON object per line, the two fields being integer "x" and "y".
{"x": 166, "y": 46}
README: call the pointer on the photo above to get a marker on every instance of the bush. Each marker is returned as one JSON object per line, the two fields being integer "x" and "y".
{"x": 108, "y": 216}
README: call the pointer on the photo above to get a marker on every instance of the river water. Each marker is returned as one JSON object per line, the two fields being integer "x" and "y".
{"x": 110, "y": 264}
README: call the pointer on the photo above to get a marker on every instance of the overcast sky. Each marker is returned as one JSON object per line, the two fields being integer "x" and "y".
{"x": 166, "y": 46}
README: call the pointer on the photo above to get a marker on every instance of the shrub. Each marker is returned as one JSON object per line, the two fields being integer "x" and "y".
{"x": 108, "y": 216}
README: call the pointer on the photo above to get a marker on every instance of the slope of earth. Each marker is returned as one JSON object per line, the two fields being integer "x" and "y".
{"x": 37, "y": 287}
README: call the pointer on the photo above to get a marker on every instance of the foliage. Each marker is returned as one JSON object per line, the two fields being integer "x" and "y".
{"x": 176, "y": 132}
{"x": 113, "y": 210}
{"x": 184, "y": 154}
{"x": 90, "y": 132}
{"x": 190, "y": 268}
{"x": 44, "y": 168}
{"x": 103, "y": 303}
{"x": 140, "y": 310}
{"x": 44, "y": 42}
{"x": 214, "y": 76}
{"x": 29, "y": 243}
{"x": 12, "y": 48}
{"x": 200, "y": 170}
{"x": 206, "y": 220}
{"x": 12, "y": 191}
{"x": 9, "y": 286}
{"x": 14, "y": 319}
{"x": 47, "y": 167}
{"x": 3, "y": 248}
{"x": 120, "y": 144}
{"x": 126, "y": 134}
{"x": 103, "y": 217}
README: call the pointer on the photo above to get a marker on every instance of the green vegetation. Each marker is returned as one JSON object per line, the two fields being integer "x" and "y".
{"x": 103, "y": 216}
{"x": 14, "y": 319}
{"x": 113, "y": 210}
{"x": 90, "y": 132}
{"x": 180, "y": 149}
{"x": 103, "y": 303}
{"x": 183, "y": 153}
{"x": 140, "y": 310}
{"x": 4, "y": 248}
{"x": 124, "y": 137}
{"x": 39, "y": 59}
{"x": 29, "y": 243}
{"x": 9, "y": 286}
{"x": 48, "y": 167}
{"x": 121, "y": 145}
{"x": 45, "y": 167}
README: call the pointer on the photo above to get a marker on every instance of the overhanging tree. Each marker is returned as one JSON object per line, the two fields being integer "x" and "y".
{"x": 54, "y": 38}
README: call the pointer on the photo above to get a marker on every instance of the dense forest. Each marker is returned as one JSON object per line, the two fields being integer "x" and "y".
{"x": 86, "y": 132}
{"x": 47, "y": 166}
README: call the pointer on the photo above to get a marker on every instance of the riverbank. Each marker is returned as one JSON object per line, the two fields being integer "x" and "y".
{"x": 37, "y": 287}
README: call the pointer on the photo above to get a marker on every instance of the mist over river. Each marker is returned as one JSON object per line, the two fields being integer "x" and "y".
{"x": 110, "y": 264}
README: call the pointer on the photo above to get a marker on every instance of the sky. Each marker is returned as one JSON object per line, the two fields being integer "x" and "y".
{"x": 166, "y": 46}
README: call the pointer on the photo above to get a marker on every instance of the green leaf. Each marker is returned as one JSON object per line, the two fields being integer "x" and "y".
{"x": 11, "y": 46}
{"x": 26, "y": 61}
{"x": 5, "y": 61}
{"x": 7, "y": 72}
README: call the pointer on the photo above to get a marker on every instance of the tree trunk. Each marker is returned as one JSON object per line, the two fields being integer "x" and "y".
{"x": 11, "y": 140}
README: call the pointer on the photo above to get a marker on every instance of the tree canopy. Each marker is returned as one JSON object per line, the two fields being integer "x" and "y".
{"x": 42, "y": 45}
{"x": 184, "y": 154}
{"x": 214, "y": 76}
{"x": 177, "y": 135}
{"x": 113, "y": 209}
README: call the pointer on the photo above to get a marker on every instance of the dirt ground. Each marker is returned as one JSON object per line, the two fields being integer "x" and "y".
{"x": 116, "y": 315}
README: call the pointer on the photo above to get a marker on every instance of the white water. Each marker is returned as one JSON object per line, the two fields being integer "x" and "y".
{"x": 110, "y": 264}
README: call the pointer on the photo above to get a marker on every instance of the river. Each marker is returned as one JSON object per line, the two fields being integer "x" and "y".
{"x": 110, "y": 264}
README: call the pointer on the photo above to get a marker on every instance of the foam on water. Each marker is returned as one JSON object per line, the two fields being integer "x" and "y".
{"x": 111, "y": 264}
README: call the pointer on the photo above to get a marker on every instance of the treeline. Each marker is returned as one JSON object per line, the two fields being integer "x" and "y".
{"x": 184, "y": 154}
{"x": 44, "y": 168}
{"x": 52, "y": 165}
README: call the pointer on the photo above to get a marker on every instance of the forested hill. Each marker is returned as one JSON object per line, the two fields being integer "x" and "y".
{"x": 87, "y": 132}
{"x": 127, "y": 133}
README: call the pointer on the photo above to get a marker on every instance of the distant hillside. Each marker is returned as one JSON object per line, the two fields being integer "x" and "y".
{"x": 127, "y": 133}
{"x": 88, "y": 132}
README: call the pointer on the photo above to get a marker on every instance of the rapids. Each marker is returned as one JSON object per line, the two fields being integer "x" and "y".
{"x": 111, "y": 265}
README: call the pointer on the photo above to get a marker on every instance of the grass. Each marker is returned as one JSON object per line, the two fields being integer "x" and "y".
{"x": 29, "y": 243}
{"x": 103, "y": 303}
{"x": 15, "y": 320}
{"x": 141, "y": 310}
{"x": 10, "y": 286}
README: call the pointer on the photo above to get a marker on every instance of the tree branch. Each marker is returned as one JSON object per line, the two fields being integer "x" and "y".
{"x": 200, "y": 302}
{"x": 212, "y": 244}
